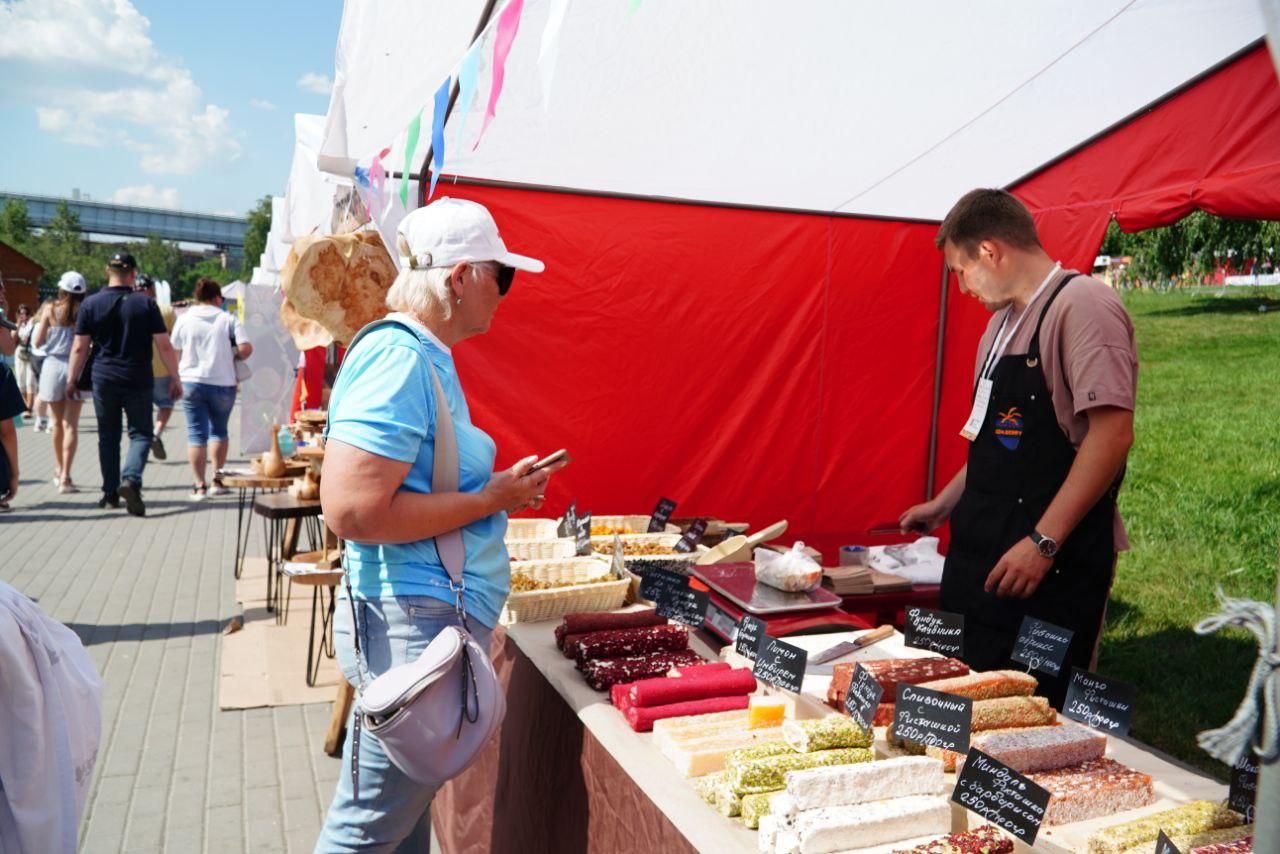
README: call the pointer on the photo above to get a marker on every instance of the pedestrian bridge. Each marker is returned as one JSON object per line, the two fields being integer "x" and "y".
{"x": 106, "y": 218}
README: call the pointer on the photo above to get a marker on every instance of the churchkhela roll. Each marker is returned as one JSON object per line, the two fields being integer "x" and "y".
{"x": 1195, "y": 817}
{"x": 603, "y": 673}
{"x": 641, "y": 718}
{"x": 596, "y": 621}
{"x": 1093, "y": 789}
{"x": 700, "y": 669}
{"x": 826, "y": 733}
{"x": 663, "y": 691}
{"x": 762, "y": 775}
{"x": 629, "y": 642}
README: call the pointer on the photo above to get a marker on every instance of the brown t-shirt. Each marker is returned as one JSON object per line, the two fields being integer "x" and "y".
{"x": 1087, "y": 351}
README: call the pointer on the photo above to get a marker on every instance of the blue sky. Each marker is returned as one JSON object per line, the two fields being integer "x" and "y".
{"x": 172, "y": 103}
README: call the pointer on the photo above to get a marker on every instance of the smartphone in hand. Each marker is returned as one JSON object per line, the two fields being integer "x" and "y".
{"x": 550, "y": 459}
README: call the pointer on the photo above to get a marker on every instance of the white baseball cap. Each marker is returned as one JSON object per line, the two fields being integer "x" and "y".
{"x": 72, "y": 282}
{"x": 453, "y": 231}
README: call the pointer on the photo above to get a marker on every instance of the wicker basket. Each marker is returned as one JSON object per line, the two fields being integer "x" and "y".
{"x": 633, "y": 595}
{"x": 532, "y": 529}
{"x": 540, "y": 549}
{"x": 604, "y": 545}
{"x": 537, "y": 605}
{"x": 629, "y": 524}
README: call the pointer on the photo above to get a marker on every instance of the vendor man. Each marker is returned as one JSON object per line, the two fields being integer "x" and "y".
{"x": 1034, "y": 527}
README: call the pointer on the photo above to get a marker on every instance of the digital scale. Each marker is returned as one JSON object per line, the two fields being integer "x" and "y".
{"x": 735, "y": 591}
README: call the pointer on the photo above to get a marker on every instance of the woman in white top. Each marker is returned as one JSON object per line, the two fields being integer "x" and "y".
{"x": 54, "y": 334}
{"x": 208, "y": 341}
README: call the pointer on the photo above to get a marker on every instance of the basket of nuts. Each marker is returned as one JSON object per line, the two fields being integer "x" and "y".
{"x": 549, "y": 589}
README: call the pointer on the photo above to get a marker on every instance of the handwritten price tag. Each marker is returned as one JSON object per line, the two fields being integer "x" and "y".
{"x": 1243, "y": 793}
{"x": 1001, "y": 795}
{"x": 568, "y": 526}
{"x": 863, "y": 697}
{"x": 1098, "y": 702}
{"x": 582, "y": 535}
{"x": 1042, "y": 646}
{"x": 937, "y": 631}
{"x": 932, "y": 718}
{"x": 751, "y": 631}
{"x": 661, "y": 515}
{"x": 780, "y": 664}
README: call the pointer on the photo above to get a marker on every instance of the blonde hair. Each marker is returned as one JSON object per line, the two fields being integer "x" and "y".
{"x": 423, "y": 292}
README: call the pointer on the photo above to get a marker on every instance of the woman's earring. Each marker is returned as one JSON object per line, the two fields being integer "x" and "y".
{"x": 459, "y": 300}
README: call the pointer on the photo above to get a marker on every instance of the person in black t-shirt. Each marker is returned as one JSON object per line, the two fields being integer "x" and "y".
{"x": 11, "y": 404}
{"x": 122, "y": 326}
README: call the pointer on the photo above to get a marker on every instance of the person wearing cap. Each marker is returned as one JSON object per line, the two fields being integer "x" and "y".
{"x": 377, "y": 495}
{"x": 55, "y": 335}
{"x": 160, "y": 383}
{"x": 122, "y": 326}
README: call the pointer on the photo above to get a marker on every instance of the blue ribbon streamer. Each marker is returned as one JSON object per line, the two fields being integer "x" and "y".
{"x": 437, "y": 133}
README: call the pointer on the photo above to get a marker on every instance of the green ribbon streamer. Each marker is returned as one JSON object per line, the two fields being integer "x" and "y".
{"x": 411, "y": 145}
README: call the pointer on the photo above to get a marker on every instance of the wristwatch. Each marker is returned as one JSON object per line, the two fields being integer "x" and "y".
{"x": 1047, "y": 546}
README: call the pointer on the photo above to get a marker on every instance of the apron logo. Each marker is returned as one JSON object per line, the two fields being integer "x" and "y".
{"x": 1009, "y": 428}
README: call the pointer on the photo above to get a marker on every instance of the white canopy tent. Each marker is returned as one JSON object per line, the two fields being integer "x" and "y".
{"x": 308, "y": 199}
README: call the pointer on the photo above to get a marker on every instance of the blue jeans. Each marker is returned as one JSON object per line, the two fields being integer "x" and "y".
{"x": 109, "y": 403}
{"x": 393, "y": 812}
{"x": 208, "y": 409}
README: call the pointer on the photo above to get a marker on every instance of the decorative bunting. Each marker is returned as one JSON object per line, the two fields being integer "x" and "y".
{"x": 410, "y": 146}
{"x": 437, "y": 133}
{"x": 547, "y": 50}
{"x": 378, "y": 185}
{"x": 634, "y": 7}
{"x": 468, "y": 75}
{"x": 508, "y": 26}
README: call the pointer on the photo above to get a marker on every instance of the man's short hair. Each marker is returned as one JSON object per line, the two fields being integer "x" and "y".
{"x": 207, "y": 290}
{"x": 985, "y": 214}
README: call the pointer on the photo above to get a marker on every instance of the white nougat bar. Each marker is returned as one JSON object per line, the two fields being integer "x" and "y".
{"x": 672, "y": 730}
{"x": 706, "y": 755}
{"x": 839, "y": 785}
{"x": 831, "y": 829}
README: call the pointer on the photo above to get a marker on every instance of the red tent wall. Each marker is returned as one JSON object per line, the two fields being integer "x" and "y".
{"x": 750, "y": 365}
{"x": 1215, "y": 146}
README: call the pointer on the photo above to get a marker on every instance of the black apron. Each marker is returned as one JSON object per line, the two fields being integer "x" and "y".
{"x": 1017, "y": 463}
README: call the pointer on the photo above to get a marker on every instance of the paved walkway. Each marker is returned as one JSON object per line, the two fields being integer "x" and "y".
{"x": 149, "y": 598}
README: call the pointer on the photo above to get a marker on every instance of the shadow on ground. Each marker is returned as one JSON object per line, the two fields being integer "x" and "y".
{"x": 94, "y": 633}
{"x": 1220, "y": 305}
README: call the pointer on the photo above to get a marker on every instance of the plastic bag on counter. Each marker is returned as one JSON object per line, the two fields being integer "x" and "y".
{"x": 792, "y": 571}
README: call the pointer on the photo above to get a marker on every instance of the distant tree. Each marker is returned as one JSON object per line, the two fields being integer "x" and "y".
{"x": 158, "y": 258}
{"x": 210, "y": 268}
{"x": 255, "y": 237}
{"x": 15, "y": 224}
{"x": 61, "y": 247}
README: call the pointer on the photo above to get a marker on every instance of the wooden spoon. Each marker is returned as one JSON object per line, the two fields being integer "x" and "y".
{"x": 733, "y": 549}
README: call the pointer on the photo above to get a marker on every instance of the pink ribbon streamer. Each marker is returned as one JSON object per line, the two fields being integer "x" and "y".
{"x": 508, "y": 25}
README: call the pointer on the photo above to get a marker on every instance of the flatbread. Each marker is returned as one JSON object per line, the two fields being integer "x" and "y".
{"x": 339, "y": 281}
{"x": 305, "y": 333}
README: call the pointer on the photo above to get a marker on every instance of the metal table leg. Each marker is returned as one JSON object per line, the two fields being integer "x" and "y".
{"x": 243, "y": 527}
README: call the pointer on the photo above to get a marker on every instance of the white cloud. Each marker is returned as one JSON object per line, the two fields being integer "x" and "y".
{"x": 318, "y": 83}
{"x": 260, "y": 104}
{"x": 96, "y": 78}
{"x": 146, "y": 196}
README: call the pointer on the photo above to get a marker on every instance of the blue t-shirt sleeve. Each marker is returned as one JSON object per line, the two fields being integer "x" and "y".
{"x": 385, "y": 402}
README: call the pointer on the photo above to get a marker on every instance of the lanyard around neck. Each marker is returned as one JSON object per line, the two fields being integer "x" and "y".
{"x": 1001, "y": 341}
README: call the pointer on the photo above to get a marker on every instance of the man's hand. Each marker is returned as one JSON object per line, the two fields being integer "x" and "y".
{"x": 175, "y": 389}
{"x": 73, "y": 390}
{"x": 1019, "y": 572}
{"x": 922, "y": 518}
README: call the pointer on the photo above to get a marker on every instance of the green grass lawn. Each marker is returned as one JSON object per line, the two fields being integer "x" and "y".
{"x": 1202, "y": 498}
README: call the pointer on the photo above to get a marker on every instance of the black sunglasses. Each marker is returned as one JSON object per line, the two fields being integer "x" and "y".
{"x": 506, "y": 276}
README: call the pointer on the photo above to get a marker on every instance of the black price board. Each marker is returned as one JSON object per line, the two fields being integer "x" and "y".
{"x": 661, "y": 515}
{"x": 568, "y": 526}
{"x": 780, "y": 664}
{"x": 1243, "y": 792}
{"x": 1002, "y": 796}
{"x": 750, "y": 634}
{"x": 655, "y": 581}
{"x": 937, "y": 631}
{"x": 687, "y": 606}
{"x": 1042, "y": 646}
{"x": 932, "y": 718}
{"x": 689, "y": 540}
{"x": 582, "y": 534}
{"x": 1099, "y": 702}
{"x": 1164, "y": 845}
{"x": 863, "y": 697}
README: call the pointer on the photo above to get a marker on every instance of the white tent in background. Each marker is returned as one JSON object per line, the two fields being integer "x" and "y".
{"x": 234, "y": 291}
{"x": 308, "y": 199}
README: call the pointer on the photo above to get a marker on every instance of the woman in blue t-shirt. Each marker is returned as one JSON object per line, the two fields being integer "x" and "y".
{"x": 377, "y": 495}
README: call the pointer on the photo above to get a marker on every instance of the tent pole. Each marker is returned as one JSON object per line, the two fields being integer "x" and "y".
{"x": 424, "y": 171}
{"x": 1266, "y": 832}
{"x": 937, "y": 384}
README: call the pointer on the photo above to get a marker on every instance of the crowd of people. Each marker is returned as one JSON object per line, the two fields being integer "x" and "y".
{"x": 133, "y": 358}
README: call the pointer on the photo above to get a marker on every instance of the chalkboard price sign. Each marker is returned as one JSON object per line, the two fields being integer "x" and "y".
{"x": 1164, "y": 845}
{"x": 661, "y": 515}
{"x": 751, "y": 633}
{"x": 582, "y": 535}
{"x": 1042, "y": 646}
{"x": 863, "y": 697}
{"x": 655, "y": 581}
{"x": 1243, "y": 793}
{"x": 937, "y": 631}
{"x": 1099, "y": 702}
{"x": 932, "y": 718}
{"x": 689, "y": 541}
{"x": 780, "y": 664}
{"x": 568, "y": 526}
{"x": 1001, "y": 795}
{"x": 687, "y": 606}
